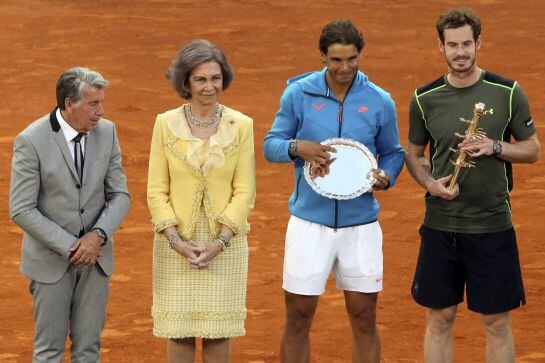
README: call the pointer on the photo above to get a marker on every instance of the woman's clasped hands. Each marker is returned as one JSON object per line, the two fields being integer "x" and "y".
{"x": 200, "y": 255}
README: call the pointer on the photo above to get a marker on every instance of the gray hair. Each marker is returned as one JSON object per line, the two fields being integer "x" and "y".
{"x": 74, "y": 80}
{"x": 190, "y": 56}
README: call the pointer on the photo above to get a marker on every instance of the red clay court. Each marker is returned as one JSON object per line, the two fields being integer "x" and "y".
{"x": 267, "y": 42}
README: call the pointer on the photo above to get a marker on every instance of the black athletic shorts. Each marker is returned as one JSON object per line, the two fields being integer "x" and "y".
{"x": 486, "y": 264}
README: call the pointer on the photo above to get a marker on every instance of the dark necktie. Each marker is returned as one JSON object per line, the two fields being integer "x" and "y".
{"x": 78, "y": 155}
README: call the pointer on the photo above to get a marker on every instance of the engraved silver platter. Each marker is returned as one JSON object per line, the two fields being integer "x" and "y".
{"x": 349, "y": 175}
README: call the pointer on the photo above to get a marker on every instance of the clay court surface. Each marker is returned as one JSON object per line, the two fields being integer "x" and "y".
{"x": 133, "y": 42}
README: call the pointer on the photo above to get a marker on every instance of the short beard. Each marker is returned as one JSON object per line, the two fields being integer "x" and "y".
{"x": 462, "y": 73}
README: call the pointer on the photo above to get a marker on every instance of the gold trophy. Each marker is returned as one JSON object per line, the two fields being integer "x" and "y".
{"x": 472, "y": 133}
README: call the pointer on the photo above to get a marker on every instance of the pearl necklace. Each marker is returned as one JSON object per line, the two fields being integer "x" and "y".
{"x": 199, "y": 123}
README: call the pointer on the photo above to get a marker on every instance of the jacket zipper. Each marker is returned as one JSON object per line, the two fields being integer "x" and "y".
{"x": 340, "y": 119}
{"x": 339, "y": 134}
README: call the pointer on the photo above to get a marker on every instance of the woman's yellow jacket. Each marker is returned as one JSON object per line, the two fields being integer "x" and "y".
{"x": 177, "y": 187}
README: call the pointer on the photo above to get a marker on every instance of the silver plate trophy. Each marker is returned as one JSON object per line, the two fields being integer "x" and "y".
{"x": 349, "y": 175}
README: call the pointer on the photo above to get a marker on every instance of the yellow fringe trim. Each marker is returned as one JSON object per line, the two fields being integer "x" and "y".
{"x": 228, "y": 149}
{"x": 181, "y": 155}
{"x": 159, "y": 226}
{"x": 199, "y": 315}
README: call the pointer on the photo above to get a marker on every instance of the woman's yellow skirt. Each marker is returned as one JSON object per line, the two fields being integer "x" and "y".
{"x": 207, "y": 303}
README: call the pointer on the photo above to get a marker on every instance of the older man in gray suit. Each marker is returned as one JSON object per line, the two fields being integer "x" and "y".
{"x": 69, "y": 195}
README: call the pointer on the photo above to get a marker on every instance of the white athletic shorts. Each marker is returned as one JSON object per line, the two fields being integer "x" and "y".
{"x": 313, "y": 250}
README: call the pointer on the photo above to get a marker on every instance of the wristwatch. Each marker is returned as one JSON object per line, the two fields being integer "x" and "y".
{"x": 496, "y": 147}
{"x": 292, "y": 148}
{"x": 102, "y": 234}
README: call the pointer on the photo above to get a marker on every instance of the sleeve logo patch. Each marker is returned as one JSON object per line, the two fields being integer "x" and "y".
{"x": 529, "y": 123}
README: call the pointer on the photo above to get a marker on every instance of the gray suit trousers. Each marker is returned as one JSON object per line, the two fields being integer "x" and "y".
{"x": 75, "y": 304}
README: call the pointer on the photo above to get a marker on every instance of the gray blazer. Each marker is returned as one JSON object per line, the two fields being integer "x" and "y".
{"x": 51, "y": 206}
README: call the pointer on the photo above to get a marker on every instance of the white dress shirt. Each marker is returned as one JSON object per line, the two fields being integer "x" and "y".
{"x": 69, "y": 133}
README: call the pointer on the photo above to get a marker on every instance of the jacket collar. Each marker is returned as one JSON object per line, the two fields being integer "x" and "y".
{"x": 62, "y": 144}
{"x": 91, "y": 146}
{"x": 221, "y": 143}
{"x": 315, "y": 82}
{"x": 55, "y": 125}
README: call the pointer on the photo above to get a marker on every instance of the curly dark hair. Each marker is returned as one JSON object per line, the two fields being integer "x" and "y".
{"x": 457, "y": 18}
{"x": 340, "y": 31}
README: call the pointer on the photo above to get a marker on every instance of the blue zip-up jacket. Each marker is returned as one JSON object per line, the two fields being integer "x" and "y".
{"x": 310, "y": 111}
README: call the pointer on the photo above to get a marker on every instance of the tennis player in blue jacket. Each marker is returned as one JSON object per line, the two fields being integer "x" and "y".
{"x": 325, "y": 234}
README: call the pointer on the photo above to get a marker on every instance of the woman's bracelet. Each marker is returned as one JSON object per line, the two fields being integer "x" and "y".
{"x": 173, "y": 239}
{"x": 224, "y": 242}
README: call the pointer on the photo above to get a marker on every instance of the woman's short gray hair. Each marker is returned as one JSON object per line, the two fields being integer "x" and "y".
{"x": 190, "y": 56}
{"x": 73, "y": 81}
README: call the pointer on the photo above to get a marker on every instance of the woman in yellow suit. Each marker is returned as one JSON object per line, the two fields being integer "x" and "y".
{"x": 201, "y": 188}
